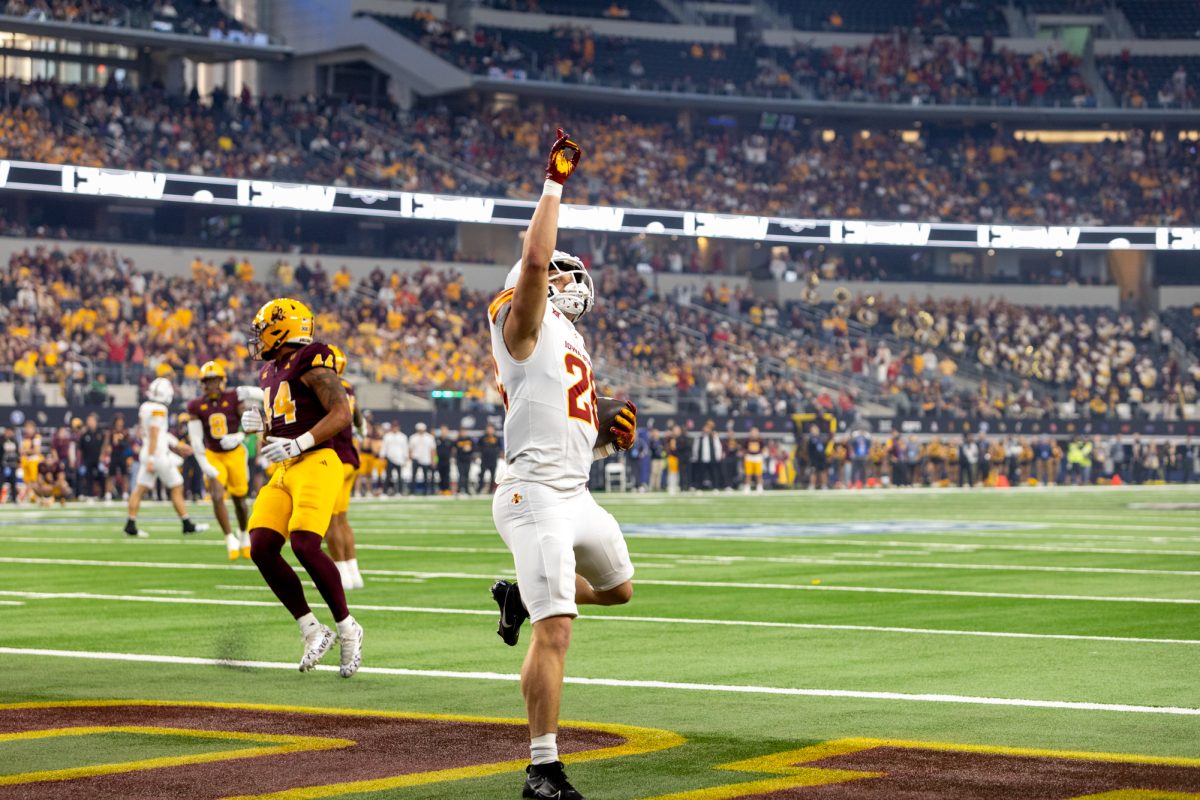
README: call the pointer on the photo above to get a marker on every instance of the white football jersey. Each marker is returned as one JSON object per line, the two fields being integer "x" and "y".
{"x": 550, "y": 397}
{"x": 153, "y": 415}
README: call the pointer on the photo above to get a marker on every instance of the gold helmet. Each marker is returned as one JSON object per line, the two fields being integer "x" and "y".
{"x": 279, "y": 322}
{"x": 339, "y": 359}
{"x": 212, "y": 370}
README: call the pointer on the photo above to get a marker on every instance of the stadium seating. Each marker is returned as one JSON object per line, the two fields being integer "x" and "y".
{"x": 898, "y": 68}
{"x": 1152, "y": 81}
{"x": 193, "y": 17}
{"x": 631, "y": 162}
{"x": 1162, "y": 19}
{"x": 71, "y": 315}
{"x": 640, "y": 10}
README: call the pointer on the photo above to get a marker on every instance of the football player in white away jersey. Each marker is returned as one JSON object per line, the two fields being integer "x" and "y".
{"x": 159, "y": 458}
{"x": 566, "y": 548}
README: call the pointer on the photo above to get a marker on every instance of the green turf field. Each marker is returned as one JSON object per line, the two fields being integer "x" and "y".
{"x": 1052, "y": 619}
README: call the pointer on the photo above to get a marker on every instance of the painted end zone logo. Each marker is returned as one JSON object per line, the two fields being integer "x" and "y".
{"x": 882, "y": 769}
{"x": 293, "y": 753}
{"x": 276, "y": 752}
{"x": 711, "y": 530}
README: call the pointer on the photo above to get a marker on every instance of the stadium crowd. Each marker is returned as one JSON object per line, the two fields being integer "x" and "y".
{"x": 86, "y": 318}
{"x": 191, "y": 17}
{"x": 941, "y": 176}
{"x": 1046, "y": 361}
{"x": 902, "y": 67}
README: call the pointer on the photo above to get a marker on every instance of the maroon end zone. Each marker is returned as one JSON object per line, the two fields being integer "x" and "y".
{"x": 927, "y": 771}
{"x": 383, "y": 747}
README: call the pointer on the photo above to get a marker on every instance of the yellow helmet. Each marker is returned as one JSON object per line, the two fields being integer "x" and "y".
{"x": 210, "y": 370}
{"x": 339, "y": 359}
{"x": 279, "y": 322}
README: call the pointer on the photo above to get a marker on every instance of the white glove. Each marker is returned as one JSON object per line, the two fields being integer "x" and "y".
{"x": 208, "y": 469}
{"x": 234, "y": 439}
{"x": 148, "y": 464}
{"x": 278, "y": 449}
{"x": 252, "y": 421}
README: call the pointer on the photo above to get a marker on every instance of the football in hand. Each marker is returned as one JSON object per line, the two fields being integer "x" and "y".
{"x": 606, "y": 409}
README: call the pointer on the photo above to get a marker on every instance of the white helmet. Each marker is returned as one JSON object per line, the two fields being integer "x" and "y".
{"x": 160, "y": 391}
{"x": 576, "y": 298}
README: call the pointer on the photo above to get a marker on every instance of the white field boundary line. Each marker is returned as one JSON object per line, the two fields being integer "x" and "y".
{"x": 690, "y": 559}
{"x": 1065, "y": 705}
{"x": 79, "y": 562}
{"x": 734, "y": 623}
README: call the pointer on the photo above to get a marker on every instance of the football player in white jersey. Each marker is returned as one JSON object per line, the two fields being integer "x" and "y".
{"x": 159, "y": 458}
{"x": 566, "y": 548}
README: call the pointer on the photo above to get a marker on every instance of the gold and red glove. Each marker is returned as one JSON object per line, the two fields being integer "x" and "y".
{"x": 625, "y": 426}
{"x": 564, "y": 157}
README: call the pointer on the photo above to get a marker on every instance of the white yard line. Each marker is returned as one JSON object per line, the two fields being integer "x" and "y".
{"x": 79, "y": 562}
{"x": 733, "y": 623}
{"x": 1064, "y": 705}
{"x": 698, "y": 559}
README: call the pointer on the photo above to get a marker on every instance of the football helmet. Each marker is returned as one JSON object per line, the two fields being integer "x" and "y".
{"x": 279, "y": 322}
{"x": 210, "y": 370}
{"x": 577, "y": 297}
{"x": 339, "y": 359}
{"x": 160, "y": 390}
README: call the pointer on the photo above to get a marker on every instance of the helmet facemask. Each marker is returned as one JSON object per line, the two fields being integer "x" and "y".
{"x": 576, "y": 298}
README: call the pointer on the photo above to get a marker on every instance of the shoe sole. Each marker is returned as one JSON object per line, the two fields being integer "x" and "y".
{"x": 311, "y": 658}
{"x": 348, "y": 670}
{"x": 500, "y": 595}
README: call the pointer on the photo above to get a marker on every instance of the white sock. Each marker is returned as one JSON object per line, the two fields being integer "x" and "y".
{"x": 352, "y": 566}
{"x": 346, "y": 626}
{"x": 231, "y": 542}
{"x": 307, "y": 623}
{"x": 244, "y": 538}
{"x": 544, "y": 749}
{"x": 341, "y": 565}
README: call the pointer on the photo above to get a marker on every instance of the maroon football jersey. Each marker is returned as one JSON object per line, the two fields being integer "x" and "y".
{"x": 291, "y": 408}
{"x": 51, "y": 473}
{"x": 220, "y": 417}
{"x": 343, "y": 441}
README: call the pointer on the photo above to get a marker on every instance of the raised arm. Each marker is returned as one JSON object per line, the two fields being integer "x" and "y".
{"x": 529, "y": 300}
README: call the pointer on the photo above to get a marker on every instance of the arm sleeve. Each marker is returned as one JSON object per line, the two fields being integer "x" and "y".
{"x": 249, "y": 394}
{"x": 196, "y": 439}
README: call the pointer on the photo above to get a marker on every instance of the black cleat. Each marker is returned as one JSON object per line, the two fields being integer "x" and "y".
{"x": 131, "y": 529}
{"x": 190, "y": 527}
{"x": 512, "y": 614}
{"x": 550, "y": 782}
